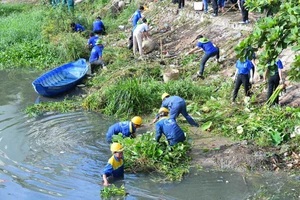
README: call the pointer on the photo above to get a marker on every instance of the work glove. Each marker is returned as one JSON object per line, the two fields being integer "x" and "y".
{"x": 251, "y": 80}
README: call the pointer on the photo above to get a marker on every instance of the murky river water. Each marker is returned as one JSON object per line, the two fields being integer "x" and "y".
{"x": 60, "y": 156}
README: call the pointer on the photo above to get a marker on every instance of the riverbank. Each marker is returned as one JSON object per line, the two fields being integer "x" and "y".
{"x": 133, "y": 87}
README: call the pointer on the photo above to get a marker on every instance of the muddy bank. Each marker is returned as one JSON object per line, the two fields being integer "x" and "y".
{"x": 222, "y": 153}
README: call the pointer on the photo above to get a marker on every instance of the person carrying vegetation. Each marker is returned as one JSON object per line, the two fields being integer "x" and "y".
{"x": 76, "y": 27}
{"x": 98, "y": 26}
{"x": 140, "y": 32}
{"x": 243, "y": 76}
{"x": 115, "y": 165}
{"x": 127, "y": 128}
{"x": 167, "y": 126}
{"x": 209, "y": 49}
{"x": 92, "y": 40}
{"x": 96, "y": 56}
{"x": 176, "y": 106}
{"x": 275, "y": 78}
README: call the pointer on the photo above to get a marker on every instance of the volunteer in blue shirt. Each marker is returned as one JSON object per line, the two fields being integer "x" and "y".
{"x": 96, "y": 56}
{"x": 76, "y": 27}
{"x": 209, "y": 49}
{"x": 115, "y": 166}
{"x": 275, "y": 77}
{"x": 127, "y": 128}
{"x": 98, "y": 26}
{"x": 167, "y": 126}
{"x": 92, "y": 40}
{"x": 137, "y": 16}
{"x": 242, "y": 76}
{"x": 176, "y": 105}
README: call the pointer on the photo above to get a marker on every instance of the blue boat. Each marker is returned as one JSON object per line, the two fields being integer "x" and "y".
{"x": 61, "y": 79}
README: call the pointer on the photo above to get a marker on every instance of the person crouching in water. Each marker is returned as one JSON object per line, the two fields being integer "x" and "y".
{"x": 115, "y": 165}
{"x": 127, "y": 128}
{"x": 167, "y": 126}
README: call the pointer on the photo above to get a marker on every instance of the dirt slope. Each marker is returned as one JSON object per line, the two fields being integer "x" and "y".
{"x": 225, "y": 32}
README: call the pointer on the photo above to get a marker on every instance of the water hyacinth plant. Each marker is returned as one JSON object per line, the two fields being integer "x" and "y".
{"x": 144, "y": 154}
{"x": 112, "y": 190}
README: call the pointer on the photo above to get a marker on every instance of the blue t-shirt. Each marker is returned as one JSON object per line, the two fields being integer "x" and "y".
{"x": 136, "y": 16}
{"x": 92, "y": 40}
{"x": 279, "y": 64}
{"x": 114, "y": 167}
{"x": 78, "y": 28}
{"x": 208, "y": 47}
{"x": 96, "y": 53}
{"x": 244, "y": 67}
{"x": 170, "y": 129}
{"x": 274, "y": 69}
{"x": 98, "y": 25}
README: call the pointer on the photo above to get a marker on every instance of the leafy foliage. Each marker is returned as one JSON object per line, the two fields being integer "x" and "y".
{"x": 112, "y": 190}
{"x": 64, "y": 106}
{"x": 145, "y": 154}
{"x": 132, "y": 96}
{"x": 274, "y": 33}
{"x": 8, "y": 9}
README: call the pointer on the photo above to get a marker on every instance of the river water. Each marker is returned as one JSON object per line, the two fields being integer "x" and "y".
{"x": 60, "y": 156}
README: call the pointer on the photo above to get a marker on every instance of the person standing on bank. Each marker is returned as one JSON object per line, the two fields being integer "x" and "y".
{"x": 244, "y": 11}
{"x": 137, "y": 15}
{"x": 127, "y": 128}
{"x": 180, "y": 6}
{"x": 209, "y": 49}
{"x": 275, "y": 77}
{"x": 96, "y": 56}
{"x": 174, "y": 134}
{"x": 140, "y": 32}
{"x": 221, "y": 4}
{"x": 98, "y": 26}
{"x": 242, "y": 76}
{"x": 215, "y": 7}
{"x": 176, "y": 105}
{"x": 205, "y": 6}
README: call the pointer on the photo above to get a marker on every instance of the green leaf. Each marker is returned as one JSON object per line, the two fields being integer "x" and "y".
{"x": 206, "y": 125}
{"x": 276, "y": 138}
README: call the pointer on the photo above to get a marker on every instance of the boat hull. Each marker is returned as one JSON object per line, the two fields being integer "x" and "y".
{"x": 61, "y": 79}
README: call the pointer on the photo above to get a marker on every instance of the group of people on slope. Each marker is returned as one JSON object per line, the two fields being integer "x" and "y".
{"x": 172, "y": 106}
{"x": 219, "y": 5}
{"x": 165, "y": 125}
{"x": 245, "y": 76}
{"x": 94, "y": 43}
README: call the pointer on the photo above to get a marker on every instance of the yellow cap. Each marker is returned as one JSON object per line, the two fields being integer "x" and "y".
{"x": 116, "y": 147}
{"x": 137, "y": 120}
{"x": 164, "y": 95}
{"x": 163, "y": 109}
